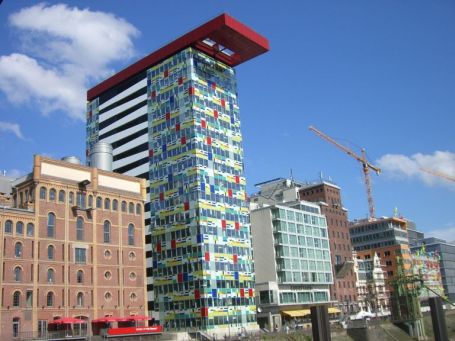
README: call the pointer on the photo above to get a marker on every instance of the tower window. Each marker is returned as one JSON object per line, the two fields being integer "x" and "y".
{"x": 80, "y": 228}
{"x": 80, "y": 277}
{"x": 52, "y": 194}
{"x": 61, "y": 196}
{"x": 42, "y": 193}
{"x": 107, "y": 232}
{"x": 50, "y": 299}
{"x": 8, "y": 226}
{"x": 18, "y": 274}
{"x": 130, "y": 234}
{"x": 16, "y": 299}
{"x": 51, "y": 225}
{"x": 50, "y": 252}
{"x": 18, "y": 250}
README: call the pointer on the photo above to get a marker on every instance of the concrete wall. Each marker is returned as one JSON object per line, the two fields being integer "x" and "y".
{"x": 263, "y": 247}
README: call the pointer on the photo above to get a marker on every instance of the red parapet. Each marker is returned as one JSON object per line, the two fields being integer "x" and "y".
{"x": 223, "y": 38}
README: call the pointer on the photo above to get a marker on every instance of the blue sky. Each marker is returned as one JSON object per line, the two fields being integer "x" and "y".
{"x": 373, "y": 74}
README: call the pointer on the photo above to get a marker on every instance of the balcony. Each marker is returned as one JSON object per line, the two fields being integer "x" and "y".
{"x": 82, "y": 208}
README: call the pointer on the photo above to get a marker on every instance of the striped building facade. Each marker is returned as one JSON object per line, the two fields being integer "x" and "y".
{"x": 174, "y": 120}
{"x": 120, "y": 117}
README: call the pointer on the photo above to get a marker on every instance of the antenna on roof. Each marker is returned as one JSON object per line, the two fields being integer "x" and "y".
{"x": 395, "y": 212}
{"x": 321, "y": 177}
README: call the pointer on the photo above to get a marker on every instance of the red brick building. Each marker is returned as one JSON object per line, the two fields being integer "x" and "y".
{"x": 329, "y": 198}
{"x": 72, "y": 245}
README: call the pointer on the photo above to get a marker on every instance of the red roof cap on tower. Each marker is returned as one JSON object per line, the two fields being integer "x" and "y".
{"x": 224, "y": 38}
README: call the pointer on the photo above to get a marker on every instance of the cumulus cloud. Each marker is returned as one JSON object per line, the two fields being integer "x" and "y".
{"x": 399, "y": 165}
{"x": 12, "y": 128}
{"x": 64, "y": 50}
{"x": 23, "y": 80}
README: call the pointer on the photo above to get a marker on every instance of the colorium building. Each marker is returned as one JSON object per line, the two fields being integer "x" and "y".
{"x": 173, "y": 119}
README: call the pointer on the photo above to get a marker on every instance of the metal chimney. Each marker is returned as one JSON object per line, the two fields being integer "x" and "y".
{"x": 101, "y": 156}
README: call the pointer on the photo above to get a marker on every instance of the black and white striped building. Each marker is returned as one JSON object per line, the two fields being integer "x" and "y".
{"x": 119, "y": 117}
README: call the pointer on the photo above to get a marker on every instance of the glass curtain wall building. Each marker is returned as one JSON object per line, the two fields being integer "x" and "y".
{"x": 292, "y": 260}
{"x": 301, "y": 250}
{"x": 200, "y": 257}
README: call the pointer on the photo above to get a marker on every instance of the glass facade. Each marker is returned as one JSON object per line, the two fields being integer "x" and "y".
{"x": 202, "y": 258}
{"x": 92, "y": 125}
{"x": 376, "y": 235}
{"x": 302, "y": 253}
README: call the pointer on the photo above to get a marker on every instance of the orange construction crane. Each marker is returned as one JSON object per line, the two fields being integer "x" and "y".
{"x": 436, "y": 173}
{"x": 366, "y": 166}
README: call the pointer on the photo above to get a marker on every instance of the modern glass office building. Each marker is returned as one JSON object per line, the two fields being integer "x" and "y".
{"x": 200, "y": 263}
{"x": 292, "y": 260}
{"x": 301, "y": 248}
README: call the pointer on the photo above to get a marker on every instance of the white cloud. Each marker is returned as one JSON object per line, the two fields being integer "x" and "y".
{"x": 11, "y": 127}
{"x": 447, "y": 233}
{"x": 410, "y": 167}
{"x": 23, "y": 80}
{"x": 14, "y": 173}
{"x": 65, "y": 50}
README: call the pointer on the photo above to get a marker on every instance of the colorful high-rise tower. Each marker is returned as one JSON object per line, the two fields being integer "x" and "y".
{"x": 173, "y": 118}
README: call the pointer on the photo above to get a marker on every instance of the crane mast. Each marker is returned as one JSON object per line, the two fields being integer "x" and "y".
{"x": 366, "y": 166}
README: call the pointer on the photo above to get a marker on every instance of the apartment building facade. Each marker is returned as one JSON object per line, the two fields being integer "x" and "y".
{"x": 372, "y": 292}
{"x": 72, "y": 246}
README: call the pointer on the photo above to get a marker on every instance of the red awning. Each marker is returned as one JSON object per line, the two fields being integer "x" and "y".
{"x": 139, "y": 318}
{"x": 67, "y": 320}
